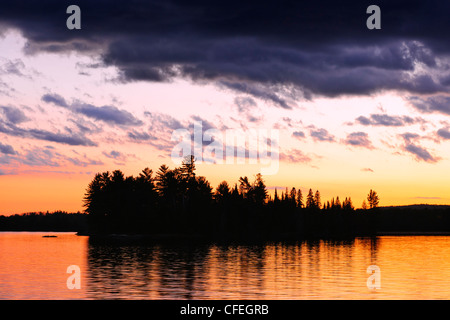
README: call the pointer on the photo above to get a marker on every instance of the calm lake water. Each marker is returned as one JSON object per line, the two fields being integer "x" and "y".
{"x": 411, "y": 267}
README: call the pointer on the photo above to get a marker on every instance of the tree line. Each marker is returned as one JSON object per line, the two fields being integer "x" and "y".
{"x": 58, "y": 221}
{"x": 178, "y": 201}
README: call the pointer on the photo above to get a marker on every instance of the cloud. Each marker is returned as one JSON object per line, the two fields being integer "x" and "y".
{"x": 262, "y": 91}
{"x": 70, "y": 139}
{"x": 83, "y": 162}
{"x": 116, "y": 155}
{"x": 440, "y": 104}
{"x": 444, "y": 133}
{"x": 408, "y": 136}
{"x": 86, "y": 127}
{"x": 317, "y": 48}
{"x": 74, "y": 139}
{"x": 7, "y": 149}
{"x": 13, "y": 114}
{"x": 244, "y": 103}
{"x": 295, "y": 156}
{"x": 13, "y": 67}
{"x": 420, "y": 153}
{"x": 246, "y": 106}
{"x": 411, "y": 146}
{"x": 358, "y": 139}
{"x": 386, "y": 120}
{"x": 40, "y": 157}
{"x": 366, "y": 170}
{"x": 108, "y": 114}
{"x": 161, "y": 122}
{"x": 140, "y": 136}
{"x": 321, "y": 135}
{"x": 56, "y": 99}
{"x": 46, "y": 157}
{"x": 298, "y": 134}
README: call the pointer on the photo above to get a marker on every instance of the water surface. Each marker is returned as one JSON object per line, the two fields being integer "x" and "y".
{"x": 412, "y": 267}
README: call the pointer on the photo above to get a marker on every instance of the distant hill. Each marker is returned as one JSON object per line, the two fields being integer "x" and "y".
{"x": 418, "y": 207}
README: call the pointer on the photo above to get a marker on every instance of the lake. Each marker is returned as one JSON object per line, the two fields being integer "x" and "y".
{"x": 411, "y": 267}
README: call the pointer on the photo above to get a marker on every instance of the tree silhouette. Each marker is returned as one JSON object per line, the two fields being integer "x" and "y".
{"x": 275, "y": 197}
{"x": 317, "y": 202}
{"x": 299, "y": 198}
{"x": 258, "y": 190}
{"x": 244, "y": 186}
{"x": 310, "y": 201}
{"x": 223, "y": 192}
{"x": 347, "y": 204}
{"x": 373, "y": 199}
{"x": 337, "y": 203}
{"x": 364, "y": 205}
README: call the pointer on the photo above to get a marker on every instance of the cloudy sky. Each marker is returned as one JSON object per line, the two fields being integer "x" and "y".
{"x": 355, "y": 109}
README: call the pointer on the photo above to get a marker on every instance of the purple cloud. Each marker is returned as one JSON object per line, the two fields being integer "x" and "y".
{"x": 358, "y": 139}
{"x": 56, "y": 99}
{"x": 108, "y": 114}
{"x": 321, "y": 135}
{"x": 298, "y": 134}
{"x": 420, "y": 153}
{"x": 13, "y": 114}
{"x": 444, "y": 133}
{"x": 385, "y": 120}
{"x": 440, "y": 104}
{"x": 7, "y": 149}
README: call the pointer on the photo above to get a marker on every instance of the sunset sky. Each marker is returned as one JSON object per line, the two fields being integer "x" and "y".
{"x": 355, "y": 109}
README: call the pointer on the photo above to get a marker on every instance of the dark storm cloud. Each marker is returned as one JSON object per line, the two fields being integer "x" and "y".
{"x": 260, "y": 48}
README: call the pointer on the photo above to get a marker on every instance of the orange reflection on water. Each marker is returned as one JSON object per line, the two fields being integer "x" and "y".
{"x": 412, "y": 267}
{"x": 34, "y": 267}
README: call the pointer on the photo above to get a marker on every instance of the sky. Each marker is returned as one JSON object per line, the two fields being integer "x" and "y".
{"x": 346, "y": 109}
